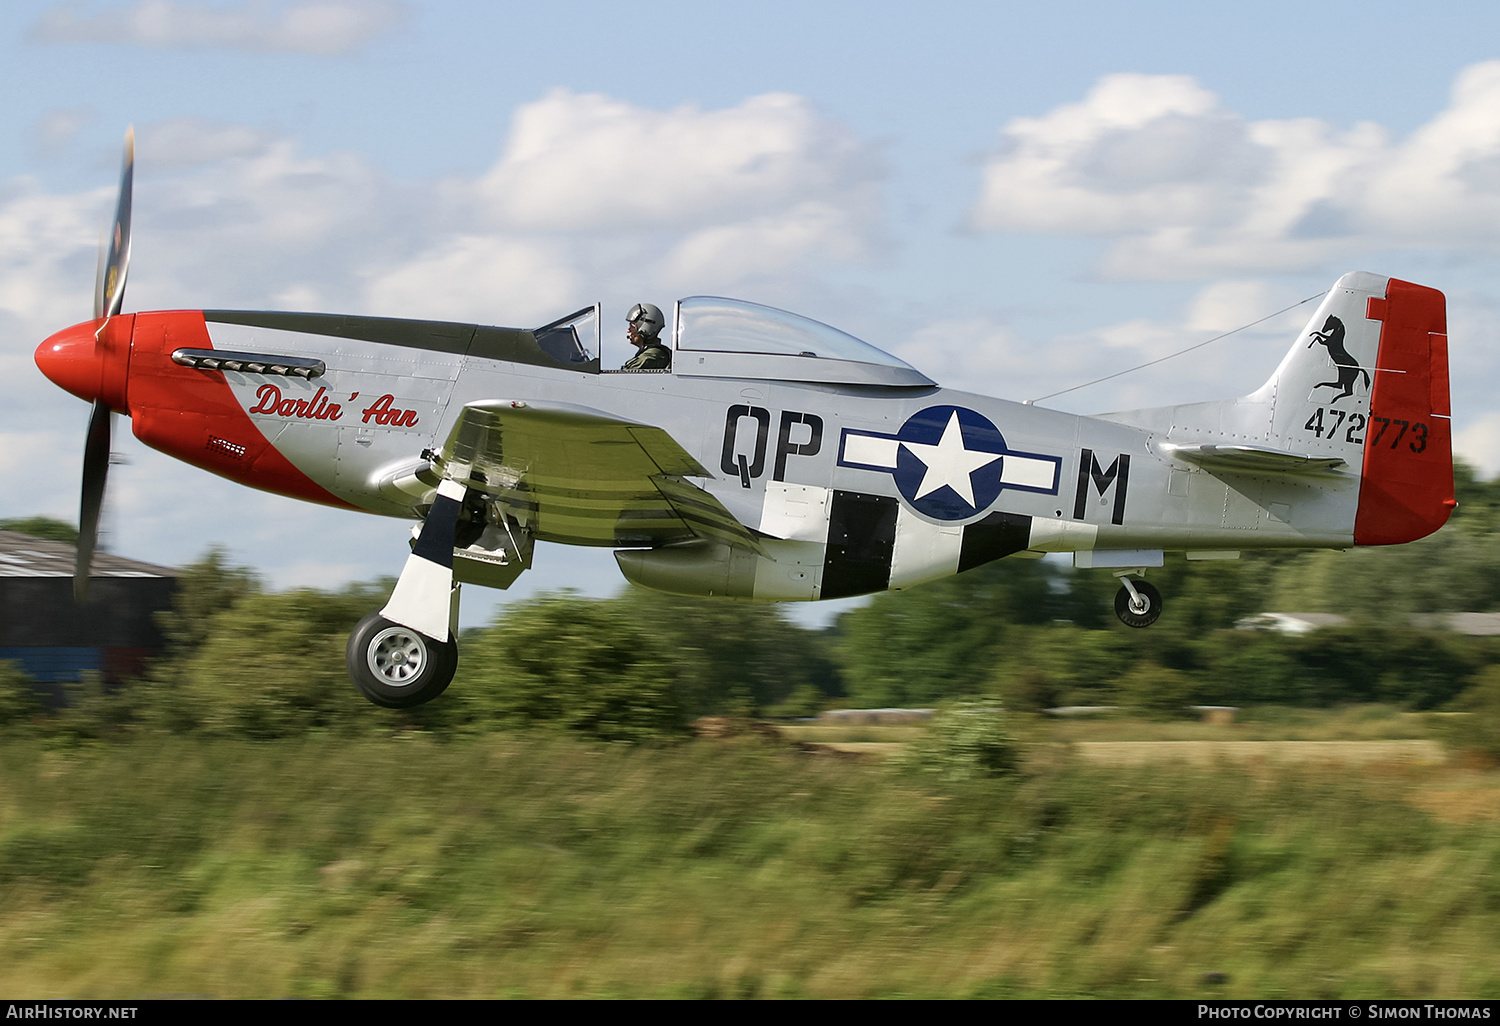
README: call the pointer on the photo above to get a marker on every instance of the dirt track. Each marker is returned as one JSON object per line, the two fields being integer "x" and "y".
{"x": 1207, "y": 753}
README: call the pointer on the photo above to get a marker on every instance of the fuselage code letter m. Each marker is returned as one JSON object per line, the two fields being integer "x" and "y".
{"x": 1117, "y": 477}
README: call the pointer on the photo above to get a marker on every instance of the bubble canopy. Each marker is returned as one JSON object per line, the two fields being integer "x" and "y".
{"x": 718, "y": 337}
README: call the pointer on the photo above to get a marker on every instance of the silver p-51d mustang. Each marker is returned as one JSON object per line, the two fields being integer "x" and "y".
{"x": 777, "y": 458}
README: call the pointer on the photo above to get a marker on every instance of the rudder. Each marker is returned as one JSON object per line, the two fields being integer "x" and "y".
{"x": 1406, "y": 491}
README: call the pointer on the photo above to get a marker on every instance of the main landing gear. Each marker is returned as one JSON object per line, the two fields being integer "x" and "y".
{"x": 398, "y": 667}
{"x": 1137, "y": 603}
{"x": 394, "y": 656}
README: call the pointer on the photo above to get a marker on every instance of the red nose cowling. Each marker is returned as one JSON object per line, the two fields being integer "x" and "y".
{"x": 90, "y": 362}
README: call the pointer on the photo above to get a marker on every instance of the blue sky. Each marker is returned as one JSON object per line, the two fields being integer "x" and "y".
{"x": 1015, "y": 197}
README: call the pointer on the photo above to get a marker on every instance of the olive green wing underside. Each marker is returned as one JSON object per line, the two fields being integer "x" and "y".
{"x": 579, "y": 476}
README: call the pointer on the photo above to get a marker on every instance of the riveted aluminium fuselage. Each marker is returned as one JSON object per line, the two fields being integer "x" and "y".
{"x": 378, "y": 406}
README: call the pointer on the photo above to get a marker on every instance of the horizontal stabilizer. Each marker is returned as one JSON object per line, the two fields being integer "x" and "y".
{"x": 1255, "y": 459}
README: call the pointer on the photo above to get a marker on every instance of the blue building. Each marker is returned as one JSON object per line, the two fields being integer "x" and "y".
{"x": 55, "y": 640}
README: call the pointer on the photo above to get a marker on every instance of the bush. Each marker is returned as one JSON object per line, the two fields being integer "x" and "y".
{"x": 737, "y": 658}
{"x": 965, "y": 740}
{"x": 1157, "y": 690}
{"x": 20, "y": 704}
{"x": 578, "y": 664}
{"x": 934, "y": 642}
{"x": 204, "y": 589}
{"x": 1479, "y": 729}
{"x": 1030, "y": 690}
{"x": 271, "y": 665}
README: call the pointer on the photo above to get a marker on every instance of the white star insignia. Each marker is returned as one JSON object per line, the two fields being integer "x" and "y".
{"x": 949, "y": 463}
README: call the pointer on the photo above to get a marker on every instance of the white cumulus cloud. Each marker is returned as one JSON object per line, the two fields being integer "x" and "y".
{"x": 312, "y": 26}
{"x": 472, "y": 277}
{"x": 1478, "y": 444}
{"x": 1190, "y": 189}
{"x": 57, "y": 127}
{"x": 185, "y": 142}
{"x": 48, "y": 247}
{"x": 229, "y": 215}
{"x": 986, "y": 355}
{"x": 584, "y": 162}
{"x": 593, "y": 193}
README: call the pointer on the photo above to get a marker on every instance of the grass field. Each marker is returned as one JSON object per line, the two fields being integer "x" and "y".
{"x": 1271, "y": 723}
{"x": 516, "y": 865}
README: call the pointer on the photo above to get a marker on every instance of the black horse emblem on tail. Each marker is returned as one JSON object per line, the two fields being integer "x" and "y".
{"x": 1332, "y": 336}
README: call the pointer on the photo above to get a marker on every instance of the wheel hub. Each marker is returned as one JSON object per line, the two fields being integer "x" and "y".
{"x": 396, "y": 656}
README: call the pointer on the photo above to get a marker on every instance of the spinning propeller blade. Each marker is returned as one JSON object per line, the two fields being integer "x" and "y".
{"x": 95, "y": 467}
{"x": 109, "y": 294}
{"x": 109, "y": 286}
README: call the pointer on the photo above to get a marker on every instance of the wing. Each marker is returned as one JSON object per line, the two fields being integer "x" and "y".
{"x": 579, "y": 476}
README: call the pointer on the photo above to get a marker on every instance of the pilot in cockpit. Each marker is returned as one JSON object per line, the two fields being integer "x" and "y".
{"x": 643, "y": 330}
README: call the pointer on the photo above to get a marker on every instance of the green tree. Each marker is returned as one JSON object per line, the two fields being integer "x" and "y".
{"x": 1253, "y": 668}
{"x": 735, "y": 657}
{"x": 1158, "y": 691}
{"x": 204, "y": 589}
{"x": 1478, "y": 500}
{"x": 1455, "y": 569}
{"x": 939, "y": 640}
{"x": 1078, "y": 664}
{"x": 42, "y": 527}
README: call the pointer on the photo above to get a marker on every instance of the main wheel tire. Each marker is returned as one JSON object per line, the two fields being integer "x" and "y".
{"x": 397, "y": 667}
{"x": 1141, "y": 611}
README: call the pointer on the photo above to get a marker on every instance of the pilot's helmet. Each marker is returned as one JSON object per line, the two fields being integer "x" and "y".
{"x": 647, "y": 319}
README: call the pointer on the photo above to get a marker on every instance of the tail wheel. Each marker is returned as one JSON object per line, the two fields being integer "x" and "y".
{"x": 397, "y": 667}
{"x": 1140, "y": 609}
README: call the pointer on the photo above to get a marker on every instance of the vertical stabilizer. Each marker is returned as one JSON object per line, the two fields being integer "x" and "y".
{"x": 1367, "y": 381}
{"x": 1320, "y": 393}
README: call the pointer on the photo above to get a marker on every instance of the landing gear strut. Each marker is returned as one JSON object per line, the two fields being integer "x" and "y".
{"x": 398, "y": 667}
{"x": 1137, "y": 603}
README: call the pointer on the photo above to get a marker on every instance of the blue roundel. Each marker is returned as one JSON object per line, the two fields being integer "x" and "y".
{"x": 948, "y": 462}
